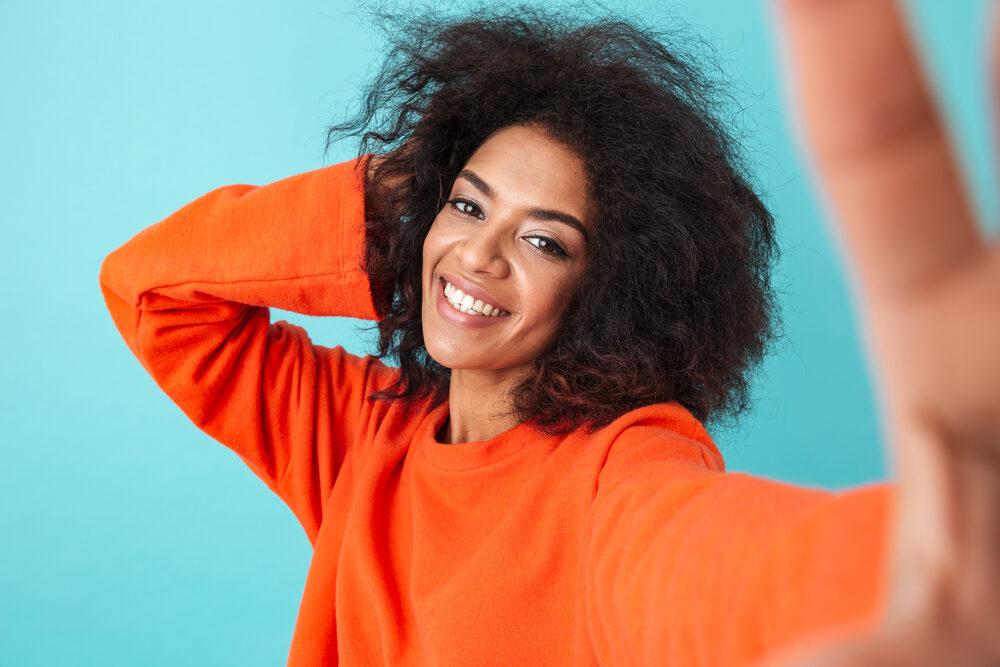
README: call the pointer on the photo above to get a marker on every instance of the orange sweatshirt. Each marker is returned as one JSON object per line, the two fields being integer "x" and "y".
{"x": 630, "y": 545}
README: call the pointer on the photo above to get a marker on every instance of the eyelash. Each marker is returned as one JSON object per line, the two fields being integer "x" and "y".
{"x": 556, "y": 249}
{"x": 454, "y": 203}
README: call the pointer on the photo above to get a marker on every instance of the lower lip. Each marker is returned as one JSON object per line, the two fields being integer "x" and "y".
{"x": 448, "y": 312}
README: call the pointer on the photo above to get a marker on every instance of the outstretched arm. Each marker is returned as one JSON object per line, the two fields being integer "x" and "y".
{"x": 928, "y": 293}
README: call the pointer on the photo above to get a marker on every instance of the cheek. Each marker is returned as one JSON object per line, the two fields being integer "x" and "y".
{"x": 550, "y": 305}
{"x": 559, "y": 292}
{"x": 427, "y": 247}
{"x": 433, "y": 246}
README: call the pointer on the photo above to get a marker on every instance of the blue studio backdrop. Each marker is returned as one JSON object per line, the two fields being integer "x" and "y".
{"x": 131, "y": 538}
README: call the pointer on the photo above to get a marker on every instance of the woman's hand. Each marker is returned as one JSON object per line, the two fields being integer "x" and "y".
{"x": 928, "y": 288}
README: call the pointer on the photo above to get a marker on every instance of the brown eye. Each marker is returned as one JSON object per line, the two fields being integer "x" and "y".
{"x": 466, "y": 207}
{"x": 546, "y": 245}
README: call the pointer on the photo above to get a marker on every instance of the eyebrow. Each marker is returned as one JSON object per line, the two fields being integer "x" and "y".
{"x": 538, "y": 213}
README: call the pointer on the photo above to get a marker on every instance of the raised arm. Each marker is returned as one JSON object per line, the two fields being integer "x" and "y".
{"x": 190, "y": 295}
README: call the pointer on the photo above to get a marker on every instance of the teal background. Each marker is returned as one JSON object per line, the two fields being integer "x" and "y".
{"x": 131, "y": 538}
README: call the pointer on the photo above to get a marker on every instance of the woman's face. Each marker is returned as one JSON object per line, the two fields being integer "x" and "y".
{"x": 507, "y": 252}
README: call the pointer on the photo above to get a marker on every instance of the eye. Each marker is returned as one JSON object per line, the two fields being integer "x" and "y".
{"x": 466, "y": 207}
{"x": 546, "y": 246}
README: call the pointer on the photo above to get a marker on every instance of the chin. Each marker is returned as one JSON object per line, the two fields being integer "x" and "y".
{"x": 453, "y": 359}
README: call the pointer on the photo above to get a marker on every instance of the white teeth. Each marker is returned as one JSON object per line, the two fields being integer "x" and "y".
{"x": 467, "y": 304}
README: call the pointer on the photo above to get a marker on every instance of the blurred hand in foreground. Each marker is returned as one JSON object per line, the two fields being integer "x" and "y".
{"x": 927, "y": 287}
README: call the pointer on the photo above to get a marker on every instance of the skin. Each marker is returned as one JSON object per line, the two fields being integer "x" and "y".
{"x": 928, "y": 293}
{"x": 491, "y": 235}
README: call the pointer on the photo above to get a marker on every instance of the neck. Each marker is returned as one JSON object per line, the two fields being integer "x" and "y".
{"x": 478, "y": 405}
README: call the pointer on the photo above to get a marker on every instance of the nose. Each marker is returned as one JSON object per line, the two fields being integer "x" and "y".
{"x": 483, "y": 250}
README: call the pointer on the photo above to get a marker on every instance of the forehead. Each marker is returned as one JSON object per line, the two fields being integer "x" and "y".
{"x": 525, "y": 166}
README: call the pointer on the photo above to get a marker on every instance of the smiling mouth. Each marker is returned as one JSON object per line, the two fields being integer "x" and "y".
{"x": 469, "y": 305}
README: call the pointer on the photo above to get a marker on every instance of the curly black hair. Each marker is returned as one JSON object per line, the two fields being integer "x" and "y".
{"x": 677, "y": 304}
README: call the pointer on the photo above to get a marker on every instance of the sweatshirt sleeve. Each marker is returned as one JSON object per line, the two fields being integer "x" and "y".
{"x": 190, "y": 296}
{"x": 695, "y": 567}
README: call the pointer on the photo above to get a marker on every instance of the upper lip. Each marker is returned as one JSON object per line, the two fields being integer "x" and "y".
{"x": 471, "y": 289}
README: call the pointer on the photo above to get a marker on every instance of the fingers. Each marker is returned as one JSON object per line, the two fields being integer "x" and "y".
{"x": 878, "y": 142}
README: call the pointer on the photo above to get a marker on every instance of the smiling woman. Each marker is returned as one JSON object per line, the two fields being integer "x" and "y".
{"x": 638, "y": 186}
{"x": 473, "y": 505}
{"x": 565, "y": 257}
{"x": 567, "y": 262}
{"x": 509, "y": 239}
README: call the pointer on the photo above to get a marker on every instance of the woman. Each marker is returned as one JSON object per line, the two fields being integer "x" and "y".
{"x": 566, "y": 260}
